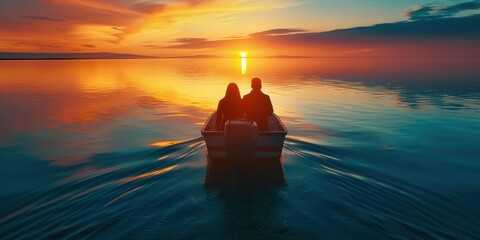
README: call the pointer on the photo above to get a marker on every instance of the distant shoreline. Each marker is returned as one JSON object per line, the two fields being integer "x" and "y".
{"x": 20, "y": 59}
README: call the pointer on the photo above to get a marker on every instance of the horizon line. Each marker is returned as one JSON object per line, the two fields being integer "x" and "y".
{"x": 136, "y": 56}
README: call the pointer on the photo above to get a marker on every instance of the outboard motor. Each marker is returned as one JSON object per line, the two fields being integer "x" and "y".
{"x": 240, "y": 138}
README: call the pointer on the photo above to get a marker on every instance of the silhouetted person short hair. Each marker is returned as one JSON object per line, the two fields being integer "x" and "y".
{"x": 229, "y": 107}
{"x": 257, "y": 105}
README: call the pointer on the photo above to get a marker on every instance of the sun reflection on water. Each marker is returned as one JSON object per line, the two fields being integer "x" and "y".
{"x": 149, "y": 174}
{"x": 244, "y": 62}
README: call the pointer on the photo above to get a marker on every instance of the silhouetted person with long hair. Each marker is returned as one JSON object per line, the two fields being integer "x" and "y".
{"x": 257, "y": 105}
{"x": 229, "y": 107}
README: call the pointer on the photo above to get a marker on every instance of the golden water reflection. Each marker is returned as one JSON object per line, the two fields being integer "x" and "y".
{"x": 165, "y": 143}
{"x": 197, "y": 83}
{"x": 149, "y": 174}
{"x": 104, "y": 105}
{"x": 87, "y": 91}
{"x": 244, "y": 64}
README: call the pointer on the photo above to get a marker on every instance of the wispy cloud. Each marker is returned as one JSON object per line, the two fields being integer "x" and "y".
{"x": 436, "y": 11}
{"x": 105, "y": 22}
{"x": 190, "y": 40}
{"x": 42, "y": 18}
{"x": 150, "y": 46}
{"x": 278, "y": 31}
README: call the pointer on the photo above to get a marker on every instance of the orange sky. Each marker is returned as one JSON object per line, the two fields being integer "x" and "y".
{"x": 223, "y": 28}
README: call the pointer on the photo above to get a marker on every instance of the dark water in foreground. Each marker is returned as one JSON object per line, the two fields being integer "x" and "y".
{"x": 377, "y": 149}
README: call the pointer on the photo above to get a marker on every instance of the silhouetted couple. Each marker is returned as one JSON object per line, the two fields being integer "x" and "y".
{"x": 255, "y": 106}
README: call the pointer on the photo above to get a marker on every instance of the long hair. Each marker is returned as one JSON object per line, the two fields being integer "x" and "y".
{"x": 232, "y": 94}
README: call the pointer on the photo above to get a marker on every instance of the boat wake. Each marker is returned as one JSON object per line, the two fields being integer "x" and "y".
{"x": 160, "y": 191}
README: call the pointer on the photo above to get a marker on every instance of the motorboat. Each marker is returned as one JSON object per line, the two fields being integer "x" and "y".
{"x": 242, "y": 153}
{"x": 240, "y": 139}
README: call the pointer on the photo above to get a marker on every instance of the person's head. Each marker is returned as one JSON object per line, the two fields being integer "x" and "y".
{"x": 232, "y": 93}
{"x": 256, "y": 83}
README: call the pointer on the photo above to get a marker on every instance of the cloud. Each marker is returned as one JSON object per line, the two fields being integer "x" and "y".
{"x": 435, "y": 11}
{"x": 452, "y": 10}
{"x": 439, "y": 37}
{"x": 88, "y": 45}
{"x": 42, "y": 18}
{"x": 150, "y": 46}
{"x": 196, "y": 2}
{"x": 147, "y": 7}
{"x": 66, "y": 20}
{"x": 190, "y": 40}
{"x": 278, "y": 31}
{"x": 106, "y": 23}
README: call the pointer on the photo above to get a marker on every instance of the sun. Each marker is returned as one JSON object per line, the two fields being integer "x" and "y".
{"x": 243, "y": 54}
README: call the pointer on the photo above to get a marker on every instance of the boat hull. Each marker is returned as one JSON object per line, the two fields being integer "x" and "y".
{"x": 269, "y": 144}
{"x": 222, "y": 172}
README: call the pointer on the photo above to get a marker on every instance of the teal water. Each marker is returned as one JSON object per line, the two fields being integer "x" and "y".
{"x": 111, "y": 149}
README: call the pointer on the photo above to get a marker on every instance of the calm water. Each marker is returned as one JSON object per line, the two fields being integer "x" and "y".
{"x": 377, "y": 149}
